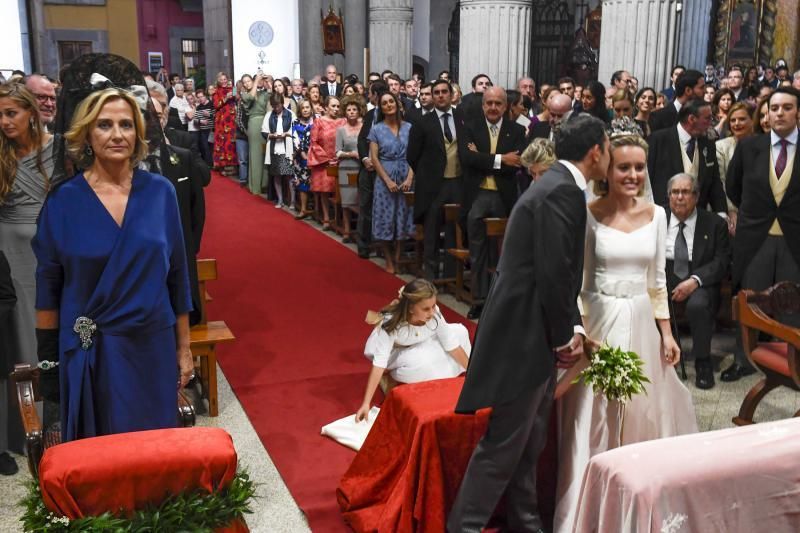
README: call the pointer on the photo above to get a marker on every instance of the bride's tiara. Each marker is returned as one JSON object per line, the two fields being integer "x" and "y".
{"x": 624, "y": 127}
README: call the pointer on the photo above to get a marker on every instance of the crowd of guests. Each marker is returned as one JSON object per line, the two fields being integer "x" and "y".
{"x": 704, "y": 139}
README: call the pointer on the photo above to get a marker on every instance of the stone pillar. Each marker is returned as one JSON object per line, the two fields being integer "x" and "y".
{"x": 495, "y": 40}
{"x": 638, "y": 36}
{"x": 217, "y": 30}
{"x": 695, "y": 24}
{"x": 390, "y": 25}
{"x": 355, "y": 37}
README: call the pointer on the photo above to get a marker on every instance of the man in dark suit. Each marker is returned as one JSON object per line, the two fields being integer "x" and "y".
{"x": 489, "y": 150}
{"x": 411, "y": 113}
{"x": 8, "y": 298}
{"x": 366, "y": 176}
{"x": 180, "y": 168}
{"x": 560, "y": 107}
{"x": 764, "y": 183}
{"x": 669, "y": 92}
{"x": 691, "y": 84}
{"x": 736, "y": 84}
{"x": 685, "y": 148}
{"x": 698, "y": 257}
{"x": 529, "y": 322}
{"x": 433, "y": 155}
{"x": 471, "y": 103}
{"x": 329, "y": 86}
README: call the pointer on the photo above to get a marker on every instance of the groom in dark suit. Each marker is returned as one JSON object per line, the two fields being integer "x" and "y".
{"x": 698, "y": 256}
{"x": 528, "y": 323}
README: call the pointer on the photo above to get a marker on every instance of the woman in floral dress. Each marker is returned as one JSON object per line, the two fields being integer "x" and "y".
{"x": 301, "y": 128}
{"x": 225, "y": 127}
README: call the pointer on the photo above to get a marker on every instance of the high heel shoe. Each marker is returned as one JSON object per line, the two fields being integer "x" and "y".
{"x": 326, "y": 225}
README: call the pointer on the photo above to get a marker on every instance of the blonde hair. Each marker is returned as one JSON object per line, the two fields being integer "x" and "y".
{"x": 600, "y": 188}
{"x": 21, "y": 96}
{"x": 541, "y": 151}
{"x": 399, "y": 310}
{"x": 77, "y": 138}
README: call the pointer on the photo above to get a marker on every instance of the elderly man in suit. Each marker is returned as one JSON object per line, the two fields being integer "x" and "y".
{"x": 561, "y": 110}
{"x": 685, "y": 148}
{"x": 489, "y": 149}
{"x": 433, "y": 154}
{"x": 764, "y": 183}
{"x": 330, "y": 86}
{"x": 530, "y": 323}
{"x": 698, "y": 257}
{"x": 8, "y": 298}
{"x": 691, "y": 84}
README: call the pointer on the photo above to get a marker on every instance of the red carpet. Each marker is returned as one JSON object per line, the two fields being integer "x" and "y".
{"x": 296, "y": 301}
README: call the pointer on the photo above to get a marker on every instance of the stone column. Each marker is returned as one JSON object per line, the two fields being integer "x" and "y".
{"x": 390, "y": 25}
{"x": 693, "y": 44}
{"x": 638, "y": 36}
{"x": 217, "y": 30}
{"x": 495, "y": 40}
{"x": 355, "y": 36}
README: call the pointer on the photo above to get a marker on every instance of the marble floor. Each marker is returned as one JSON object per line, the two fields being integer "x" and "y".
{"x": 276, "y": 510}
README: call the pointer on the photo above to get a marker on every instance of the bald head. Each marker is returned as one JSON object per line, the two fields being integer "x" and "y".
{"x": 559, "y": 105}
{"x": 45, "y": 93}
{"x": 495, "y": 104}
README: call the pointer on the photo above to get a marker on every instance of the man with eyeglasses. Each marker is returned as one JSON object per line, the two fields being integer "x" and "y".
{"x": 45, "y": 92}
{"x": 698, "y": 256}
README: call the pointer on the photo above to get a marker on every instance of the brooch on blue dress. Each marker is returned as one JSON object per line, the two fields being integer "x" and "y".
{"x": 85, "y": 328}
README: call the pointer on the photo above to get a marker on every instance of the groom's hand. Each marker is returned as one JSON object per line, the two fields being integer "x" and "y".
{"x": 568, "y": 355}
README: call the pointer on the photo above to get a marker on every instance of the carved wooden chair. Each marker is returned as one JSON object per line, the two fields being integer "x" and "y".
{"x": 779, "y": 361}
{"x": 460, "y": 286}
{"x": 25, "y": 379}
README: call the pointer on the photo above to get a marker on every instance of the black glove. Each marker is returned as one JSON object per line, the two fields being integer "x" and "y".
{"x": 47, "y": 350}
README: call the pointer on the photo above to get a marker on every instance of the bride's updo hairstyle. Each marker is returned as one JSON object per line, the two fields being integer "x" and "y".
{"x": 399, "y": 310}
{"x": 622, "y": 132}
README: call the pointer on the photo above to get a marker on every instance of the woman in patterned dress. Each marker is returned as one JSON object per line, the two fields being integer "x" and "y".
{"x": 321, "y": 154}
{"x": 391, "y": 216}
{"x": 225, "y": 127}
{"x": 301, "y": 128}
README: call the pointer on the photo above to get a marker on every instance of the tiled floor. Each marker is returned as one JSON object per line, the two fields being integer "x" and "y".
{"x": 275, "y": 510}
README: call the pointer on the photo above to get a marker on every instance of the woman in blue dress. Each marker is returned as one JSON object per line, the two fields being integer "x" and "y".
{"x": 112, "y": 282}
{"x": 301, "y": 130}
{"x": 391, "y": 216}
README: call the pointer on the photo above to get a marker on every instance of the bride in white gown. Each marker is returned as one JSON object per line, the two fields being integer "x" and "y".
{"x": 624, "y": 300}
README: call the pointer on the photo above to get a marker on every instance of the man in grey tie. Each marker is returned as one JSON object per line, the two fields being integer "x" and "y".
{"x": 698, "y": 256}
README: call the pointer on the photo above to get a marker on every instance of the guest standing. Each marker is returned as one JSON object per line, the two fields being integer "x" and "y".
{"x": 740, "y": 124}
{"x": 204, "y": 116}
{"x": 593, "y": 101}
{"x": 224, "y": 126}
{"x": 112, "y": 306}
{"x": 720, "y": 106}
{"x": 645, "y": 104}
{"x": 301, "y": 130}
{"x": 26, "y": 165}
{"x": 242, "y": 144}
{"x": 391, "y": 215}
{"x": 278, "y": 87}
{"x": 347, "y": 154}
{"x": 322, "y": 153}
{"x": 761, "y": 117}
{"x": 256, "y": 101}
{"x": 762, "y": 182}
{"x": 277, "y": 132}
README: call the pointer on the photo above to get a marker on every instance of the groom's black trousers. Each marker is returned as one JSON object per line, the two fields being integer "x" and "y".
{"x": 505, "y": 460}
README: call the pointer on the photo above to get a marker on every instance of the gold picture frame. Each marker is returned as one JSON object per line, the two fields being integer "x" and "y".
{"x": 744, "y": 32}
{"x": 332, "y": 32}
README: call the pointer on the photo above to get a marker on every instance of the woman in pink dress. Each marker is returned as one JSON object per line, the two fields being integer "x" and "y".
{"x": 321, "y": 154}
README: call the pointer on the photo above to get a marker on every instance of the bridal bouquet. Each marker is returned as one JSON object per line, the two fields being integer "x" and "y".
{"x": 615, "y": 373}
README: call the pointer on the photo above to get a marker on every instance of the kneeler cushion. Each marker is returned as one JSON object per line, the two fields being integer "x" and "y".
{"x": 129, "y": 471}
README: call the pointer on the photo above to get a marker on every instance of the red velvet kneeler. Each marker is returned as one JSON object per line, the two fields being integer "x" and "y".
{"x": 130, "y": 471}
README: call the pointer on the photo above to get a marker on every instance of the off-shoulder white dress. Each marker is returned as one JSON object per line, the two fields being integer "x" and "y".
{"x": 624, "y": 291}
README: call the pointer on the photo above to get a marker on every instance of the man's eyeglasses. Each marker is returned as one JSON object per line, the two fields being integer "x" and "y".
{"x": 681, "y": 192}
{"x": 44, "y": 98}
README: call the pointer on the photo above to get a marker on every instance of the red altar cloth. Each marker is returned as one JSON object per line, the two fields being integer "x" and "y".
{"x": 130, "y": 471}
{"x": 407, "y": 473}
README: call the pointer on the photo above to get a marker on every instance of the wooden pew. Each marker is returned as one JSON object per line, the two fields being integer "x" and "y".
{"x": 459, "y": 287}
{"x": 206, "y": 335}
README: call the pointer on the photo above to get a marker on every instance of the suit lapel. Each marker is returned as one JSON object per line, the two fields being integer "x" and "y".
{"x": 701, "y": 230}
{"x": 436, "y": 129}
{"x": 795, "y": 183}
{"x": 675, "y": 151}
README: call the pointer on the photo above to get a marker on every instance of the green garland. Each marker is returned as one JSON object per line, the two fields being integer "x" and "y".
{"x": 615, "y": 373}
{"x": 196, "y": 511}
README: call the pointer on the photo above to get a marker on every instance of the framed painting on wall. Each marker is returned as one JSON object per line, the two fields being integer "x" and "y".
{"x": 745, "y": 30}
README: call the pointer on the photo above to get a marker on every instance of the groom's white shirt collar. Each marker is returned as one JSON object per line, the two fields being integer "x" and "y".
{"x": 577, "y": 175}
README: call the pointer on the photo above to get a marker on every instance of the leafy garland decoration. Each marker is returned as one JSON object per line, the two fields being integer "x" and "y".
{"x": 195, "y": 511}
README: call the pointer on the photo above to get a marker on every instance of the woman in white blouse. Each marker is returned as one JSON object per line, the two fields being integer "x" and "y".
{"x": 412, "y": 342}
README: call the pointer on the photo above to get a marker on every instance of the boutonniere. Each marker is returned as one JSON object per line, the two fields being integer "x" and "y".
{"x": 173, "y": 158}
{"x": 705, "y": 153}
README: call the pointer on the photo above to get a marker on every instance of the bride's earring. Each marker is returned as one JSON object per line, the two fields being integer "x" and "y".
{"x": 89, "y": 151}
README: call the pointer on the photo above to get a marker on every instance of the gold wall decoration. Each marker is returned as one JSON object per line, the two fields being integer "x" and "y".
{"x": 744, "y": 32}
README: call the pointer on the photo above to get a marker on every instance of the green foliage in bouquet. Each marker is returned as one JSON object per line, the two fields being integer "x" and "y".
{"x": 614, "y": 373}
{"x": 195, "y": 511}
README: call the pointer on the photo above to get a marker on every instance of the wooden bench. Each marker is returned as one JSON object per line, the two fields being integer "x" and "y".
{"x": 495, "y": 231}
{"x": 206, "y": 335}
{"x": 459, "y": 287}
